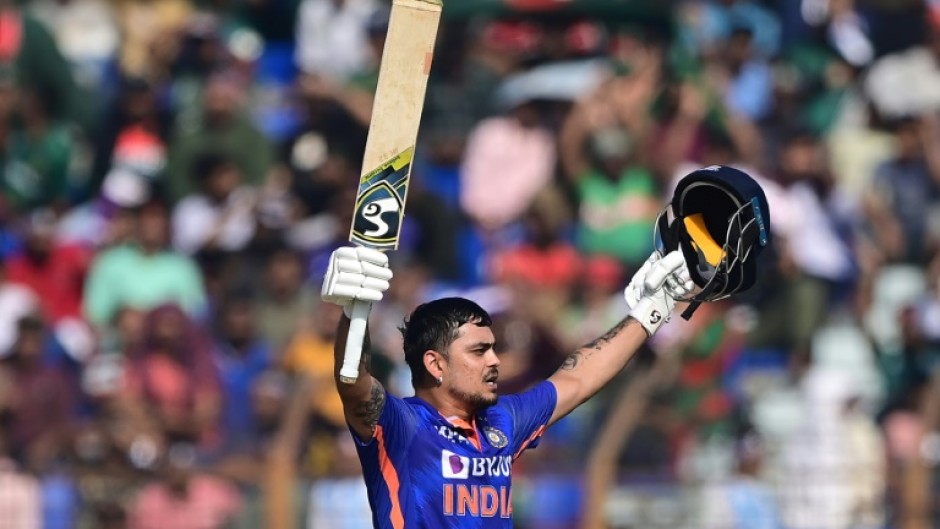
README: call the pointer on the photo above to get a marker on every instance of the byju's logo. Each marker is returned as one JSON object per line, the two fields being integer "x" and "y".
{"x": 454, "y": 466}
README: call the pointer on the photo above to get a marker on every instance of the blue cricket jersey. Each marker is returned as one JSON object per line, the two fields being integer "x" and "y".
{"x": 424, "y": 470}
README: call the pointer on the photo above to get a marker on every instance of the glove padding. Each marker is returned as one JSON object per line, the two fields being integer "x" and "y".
{"x": 355, "y": 273}
{"x": 649, "y": 302}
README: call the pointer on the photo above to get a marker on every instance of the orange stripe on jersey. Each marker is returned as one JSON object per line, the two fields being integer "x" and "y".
{"x": 535, "y": 435}
{"x": 391, "y": 480}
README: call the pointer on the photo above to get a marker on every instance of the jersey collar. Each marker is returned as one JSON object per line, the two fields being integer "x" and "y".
{"x": 468, "y": 429}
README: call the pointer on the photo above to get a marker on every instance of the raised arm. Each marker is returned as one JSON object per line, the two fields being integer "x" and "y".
{"x": 357, "y": 274}
{"x": 591, "y": 367}
{"x": 364, "y": 400}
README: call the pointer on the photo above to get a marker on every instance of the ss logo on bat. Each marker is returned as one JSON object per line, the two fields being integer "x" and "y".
{"x": 373, "y": 213}
{"x": 378, "y": 217}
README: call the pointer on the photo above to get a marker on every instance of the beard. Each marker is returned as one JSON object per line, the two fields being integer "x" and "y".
{"x": 477, "y": 400}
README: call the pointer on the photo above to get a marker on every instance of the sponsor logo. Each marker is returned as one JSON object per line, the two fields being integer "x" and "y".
{"x": 454, "y": 466}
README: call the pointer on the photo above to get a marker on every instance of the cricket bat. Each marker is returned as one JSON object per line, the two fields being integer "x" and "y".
{"x": 390, "y": 147}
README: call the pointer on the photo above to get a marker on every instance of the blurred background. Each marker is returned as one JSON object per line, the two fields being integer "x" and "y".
{"x": 175, "y": 173}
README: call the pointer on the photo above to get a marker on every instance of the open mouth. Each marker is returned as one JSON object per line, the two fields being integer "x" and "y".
{"x": 490, "y": 380}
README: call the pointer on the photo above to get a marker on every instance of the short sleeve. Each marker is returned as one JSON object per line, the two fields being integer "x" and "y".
{"x": 530, "y": 412}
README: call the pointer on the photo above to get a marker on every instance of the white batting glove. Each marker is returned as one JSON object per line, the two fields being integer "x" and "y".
{"x": 649, "y": 302}
{"x": 355, "y": 273}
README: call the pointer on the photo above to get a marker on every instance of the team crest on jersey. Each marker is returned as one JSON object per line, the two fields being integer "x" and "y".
{"x": 496, "y": 437}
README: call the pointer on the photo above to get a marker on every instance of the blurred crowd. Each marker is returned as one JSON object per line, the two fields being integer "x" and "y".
{"x": 175, "y": 173}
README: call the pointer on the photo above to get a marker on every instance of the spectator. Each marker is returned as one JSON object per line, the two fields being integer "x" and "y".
{"x": 746, "y": 78}
{"x": 545, "y": 259}
{"x": 183, "y": 497}
{"x": 55, "y": 272}
{"x": 269, "y": 460}
{"x": 241, "y": 356}
{"x": 39, "y": 151}
{"x": 114, "y": 278}
{"x": 310, "y": 354}
{"x": 134, "y": 135}
{"x": 514, "y": 153}
{"x": 905, "y": 83}
{"x": 86, "y": 31}
{"x": 43, "y": 398}
{"x": 107, "y": 220}
{"x": 36, "y": 61}
{"x": 817, "y": 259}
{"x": 220, "y": 216}
{"x": 619, "y": 199}
{"x": 144, "y": 24}
{"x": 331, "y": 37}
{"x": 705, "y": 25}
{"x": 220, "y": 125}
{"x": 286, "y": 300}
{"x": 172, "y": 379}
{"x": 903, "y": 193}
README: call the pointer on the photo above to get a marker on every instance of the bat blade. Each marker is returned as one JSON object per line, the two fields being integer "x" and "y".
{"x": 396, "y": 116}
{"x": 390, "y": 147}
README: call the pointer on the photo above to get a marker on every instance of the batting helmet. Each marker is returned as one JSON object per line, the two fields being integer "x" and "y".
{"x": 718, "y": 217}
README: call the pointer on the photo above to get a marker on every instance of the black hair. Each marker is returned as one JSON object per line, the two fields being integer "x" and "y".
{"x": 433, "y": 326}
{"x": 208, "y": 164}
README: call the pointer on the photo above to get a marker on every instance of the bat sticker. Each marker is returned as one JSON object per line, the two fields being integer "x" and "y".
{"x": 380, "y": 206}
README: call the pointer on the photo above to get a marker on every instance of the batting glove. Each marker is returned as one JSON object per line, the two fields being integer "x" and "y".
{"x": 649, "y": 302}
{"x": 355, "y": 273}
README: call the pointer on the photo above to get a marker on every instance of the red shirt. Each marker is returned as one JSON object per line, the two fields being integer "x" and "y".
{"x": 58, "y": 280}
{"x": 209, "y": 504}
{"x": 555, "y": 267}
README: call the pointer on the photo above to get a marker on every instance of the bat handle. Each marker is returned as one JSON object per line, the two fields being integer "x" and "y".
{"x": 354, "y": 339}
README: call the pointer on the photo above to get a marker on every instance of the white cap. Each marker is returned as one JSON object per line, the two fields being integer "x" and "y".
{"x": 125, "y": 188}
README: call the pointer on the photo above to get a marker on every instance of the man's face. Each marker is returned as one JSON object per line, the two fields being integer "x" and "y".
{"x": 224, "y": 181}
{"x": 153, "y": 228}
{"x": 285, "y": 273}
{"x": 472, "y": 366}
{"x": 801, "y": 158}
{"x": 238, "y": 323}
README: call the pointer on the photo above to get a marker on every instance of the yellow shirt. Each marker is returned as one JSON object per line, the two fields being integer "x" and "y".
{"x": 146, "y": 24}
{"x": 311, "y": 355}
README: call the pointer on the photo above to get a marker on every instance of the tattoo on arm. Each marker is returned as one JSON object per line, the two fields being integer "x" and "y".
{"x": 575, "y": 359}
{"x": 368, "y": 411}
{"x": 607, "y": 336}
{"x": 572, "y": 361}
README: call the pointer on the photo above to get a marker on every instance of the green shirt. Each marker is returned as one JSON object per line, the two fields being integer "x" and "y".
{"x": 36, "y": 170}
{"x": 126, "y": 277}
{"x": 247, "y": 147}
{"x": 617, "y": 217}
